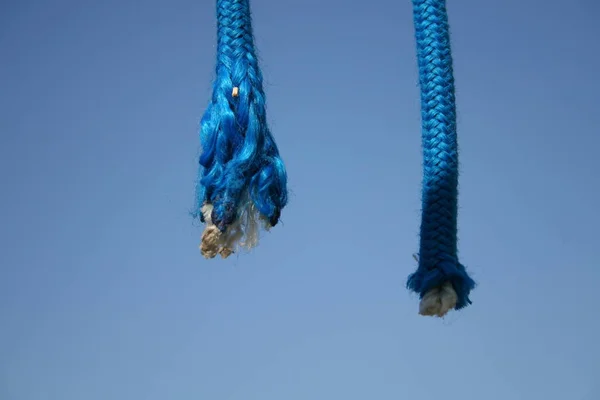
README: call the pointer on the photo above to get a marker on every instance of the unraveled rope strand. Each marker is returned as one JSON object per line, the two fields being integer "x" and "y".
{"x": 242, "y": 179}
{"x": 441, "y": 281}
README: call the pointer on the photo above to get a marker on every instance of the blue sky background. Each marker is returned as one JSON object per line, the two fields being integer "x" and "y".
{"x": 103, "y": 291}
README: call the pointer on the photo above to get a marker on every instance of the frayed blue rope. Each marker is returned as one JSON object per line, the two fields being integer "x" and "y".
{"x": 438, "y": 261}
{"x": 240, "y": 161}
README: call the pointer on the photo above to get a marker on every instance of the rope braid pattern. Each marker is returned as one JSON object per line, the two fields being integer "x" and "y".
{"x": 242, "y": 179}
{"x": 441, "y": 281}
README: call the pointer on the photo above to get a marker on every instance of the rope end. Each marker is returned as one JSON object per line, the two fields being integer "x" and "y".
{"x": 442, "y": 286}
{"x": 438, "y": 301}
{"x": 243, "y": 232}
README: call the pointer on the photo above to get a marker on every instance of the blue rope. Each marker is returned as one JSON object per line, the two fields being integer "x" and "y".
{"x": 438, "y": 260}
{"x": 240, "y": 161}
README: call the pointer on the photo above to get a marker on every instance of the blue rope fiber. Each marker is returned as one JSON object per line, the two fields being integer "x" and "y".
{"x": 438, "y": 260}
{"x": 240, "y": 162}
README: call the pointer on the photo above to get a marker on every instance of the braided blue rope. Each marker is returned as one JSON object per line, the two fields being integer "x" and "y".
{"x": 240, "y": 161}
{"x": 438, "y": 260}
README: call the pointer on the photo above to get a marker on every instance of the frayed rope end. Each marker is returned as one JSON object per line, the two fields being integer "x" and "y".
{"x": 243, "y": 232}
{"x": 438, "y": 301}
{"x": 444, "y": 287}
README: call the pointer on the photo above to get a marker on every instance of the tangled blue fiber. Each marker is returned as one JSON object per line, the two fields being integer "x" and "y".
{"x": 242, "y": 178}
{"x": 438, "y": 259}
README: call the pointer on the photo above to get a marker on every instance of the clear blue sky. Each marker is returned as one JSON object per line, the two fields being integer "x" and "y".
{"x": 104, "y": 294}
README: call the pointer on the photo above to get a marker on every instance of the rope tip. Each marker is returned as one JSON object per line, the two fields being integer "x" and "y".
{"x": 242, "y": 232}
{"x": 438, "y": 301}
{"x": 210, "y": 247}
{"x": 442, "y": 285}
